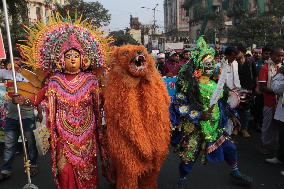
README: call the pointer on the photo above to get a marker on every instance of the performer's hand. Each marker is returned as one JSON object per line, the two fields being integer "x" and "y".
{"x": 18, "y": 99}
{"x": 208, "y": 114}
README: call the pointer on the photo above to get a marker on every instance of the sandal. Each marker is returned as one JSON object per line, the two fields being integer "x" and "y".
{"x": 34, "y": 171}
{"x": 4, "y": 177}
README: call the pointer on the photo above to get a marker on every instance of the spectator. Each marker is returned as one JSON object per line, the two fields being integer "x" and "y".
{"x": 160, "y": 63}
{"x": 12, "y": 131}
{"x": 185, "y": 56}
{"x": 265, "y": 55}
{"x": 3, "y": 64}
{"x": 258, "y": 104}
{"x": 232, "y": 80}
{"x": 278, "y": 88}
{"x": 256, "y": 54}
{"x": 248, "y": 54}
{"x": 229, "y": 77}
{"x": 269, "y": 131}
{"x": 172, "y": 65}
{"x": 247, "y": 76}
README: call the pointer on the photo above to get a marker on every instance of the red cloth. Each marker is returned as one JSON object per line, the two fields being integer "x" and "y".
{"x": 173, "y": 67}
{"x": 40, "y": 96}
{"x": 72, "y": 177}
{"x": 268, "y": 99}
{"x": 184, "y": 61}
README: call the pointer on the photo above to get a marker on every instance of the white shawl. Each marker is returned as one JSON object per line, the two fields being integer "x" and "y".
{"x": 229, "y": 76}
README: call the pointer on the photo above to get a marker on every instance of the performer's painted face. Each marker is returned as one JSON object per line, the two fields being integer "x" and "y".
{"x": 72, "y": 60}
{"x": 208, "y": 66}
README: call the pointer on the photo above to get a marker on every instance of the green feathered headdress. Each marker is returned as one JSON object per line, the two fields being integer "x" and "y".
{"x": 201, "y": 53}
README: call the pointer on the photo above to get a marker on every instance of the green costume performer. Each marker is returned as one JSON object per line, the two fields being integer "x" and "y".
{"x": 198, "y": 122}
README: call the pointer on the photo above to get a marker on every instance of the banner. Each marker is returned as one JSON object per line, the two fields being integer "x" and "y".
{"x": 171, "y": 85}
{"x": 3, "y": 110}
{"x": 2, "y": 49}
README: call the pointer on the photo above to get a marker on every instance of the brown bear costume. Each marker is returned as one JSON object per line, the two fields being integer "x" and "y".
{"x": 137, "y": 117}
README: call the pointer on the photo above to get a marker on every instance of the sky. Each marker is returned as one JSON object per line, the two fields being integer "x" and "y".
{"x": 121, "y": 10}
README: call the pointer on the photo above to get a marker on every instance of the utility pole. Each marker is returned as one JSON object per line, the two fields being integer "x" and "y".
{"x": 154, "y": 17}
{"x": 154, "y": 23}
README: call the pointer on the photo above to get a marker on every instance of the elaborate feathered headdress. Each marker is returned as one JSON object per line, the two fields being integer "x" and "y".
{"x": 201, "y": 53}
{"x": 47, "y": 42}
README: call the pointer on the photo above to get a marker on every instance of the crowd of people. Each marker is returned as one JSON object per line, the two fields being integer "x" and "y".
{"x": 257, "y": 75}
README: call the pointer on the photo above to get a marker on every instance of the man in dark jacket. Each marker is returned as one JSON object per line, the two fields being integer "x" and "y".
{"x": 247, "y": 76}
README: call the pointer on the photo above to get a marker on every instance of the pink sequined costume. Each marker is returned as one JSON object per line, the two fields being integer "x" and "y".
{"x": 73, "y": 127}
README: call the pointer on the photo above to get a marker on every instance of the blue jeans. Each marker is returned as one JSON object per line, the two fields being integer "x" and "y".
{"x": 11, "y": 139}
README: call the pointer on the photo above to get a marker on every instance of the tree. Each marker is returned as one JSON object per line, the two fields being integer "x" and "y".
{"x": 91, "y": 10}
{"x": 122, "y": 38}
{"x": 260, "y": 28}
{"x": 18, "y": 13}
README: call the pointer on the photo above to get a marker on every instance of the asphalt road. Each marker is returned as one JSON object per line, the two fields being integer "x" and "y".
{"x": 211, "y": 176}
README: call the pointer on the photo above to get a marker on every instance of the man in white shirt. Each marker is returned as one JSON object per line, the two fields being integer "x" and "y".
{"x": 278, "y": 88}
{"x": 6, "y": 74}
{"x": 229, "y": 78}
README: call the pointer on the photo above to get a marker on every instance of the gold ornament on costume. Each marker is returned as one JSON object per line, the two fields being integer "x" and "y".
{"x": 204, "y": 79}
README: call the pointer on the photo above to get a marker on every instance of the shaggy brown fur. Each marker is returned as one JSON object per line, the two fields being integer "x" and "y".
{"x": 138, "y": 125}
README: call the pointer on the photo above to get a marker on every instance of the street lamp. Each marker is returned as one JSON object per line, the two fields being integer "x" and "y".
{"x": 154, "y": 17}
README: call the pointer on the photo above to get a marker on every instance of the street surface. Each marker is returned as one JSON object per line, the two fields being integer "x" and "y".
{"x": 210, "y": 176}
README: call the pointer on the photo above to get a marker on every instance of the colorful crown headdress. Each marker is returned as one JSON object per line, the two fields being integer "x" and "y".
{"x": 46, "y": 43}
{"x": 202, "y": 52}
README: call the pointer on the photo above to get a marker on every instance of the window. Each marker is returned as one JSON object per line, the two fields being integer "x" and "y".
{"x": 38, "y": 13}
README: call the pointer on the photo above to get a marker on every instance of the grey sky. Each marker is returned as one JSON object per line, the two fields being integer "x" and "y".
{"x": 120, "y": 11}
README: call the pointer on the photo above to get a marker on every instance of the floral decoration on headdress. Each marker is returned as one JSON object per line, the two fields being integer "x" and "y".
{"x": 47, "y": 42}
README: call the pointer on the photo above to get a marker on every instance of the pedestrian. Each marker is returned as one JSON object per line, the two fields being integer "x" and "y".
{"x": 278, "y": 88}
{"x": 247, "y": 76}
{"x": 230, "y": 81}
{"x": 3, "y": 65}
{"x": 12, "y": 131}
{"x": 256, "y": 54}
{"x": 265, "y": 55}
{"x": 161, "y": 63}
{"x": 172, "y": 65}
{"x": 269, "y": 131}
{"x": 185, "y": 57}
{"x": 258, "y": 102}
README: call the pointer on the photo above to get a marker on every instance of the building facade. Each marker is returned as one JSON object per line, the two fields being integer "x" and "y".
{"x": 41, "y": 9}
{"x": 175, "y": 19}
{"x": 195, "y": 17}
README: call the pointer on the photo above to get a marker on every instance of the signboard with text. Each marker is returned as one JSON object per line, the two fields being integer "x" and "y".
{"x": 2, "y": 49}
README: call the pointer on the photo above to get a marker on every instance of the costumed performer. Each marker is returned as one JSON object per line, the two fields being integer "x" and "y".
{"x": 137, "y": 117}
{"x": 71, "y": 49}
{"x": 198, "y": 120}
